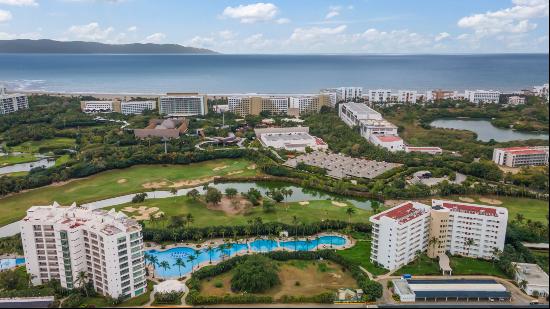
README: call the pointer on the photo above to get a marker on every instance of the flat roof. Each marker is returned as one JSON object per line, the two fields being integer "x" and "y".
{"x": 403, "y": 213}
{"x": 359, "y": 108}
{"x": 462, "y": 294}
{"x": 532, "y": 273}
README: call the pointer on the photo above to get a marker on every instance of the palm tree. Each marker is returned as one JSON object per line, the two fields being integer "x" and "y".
{"x": 179, "y": 263}
{"x": 469, "y": 243}
{"x": 350, "y": 211}
{"x": 433, "y": 242}
{"x": 154, "y": 262}
{"x": 191, "y": 259}
{"x": 523, "y": 284}
{"x": 82, "y": 280}
{"x": 496, "y": 254}
{"x": 189, "y": 219}
{"x": 520, "y": 217}
{"x": 295, "y": 223}
{"x": 210, "y": 249}
{"x": 164, "y": 265}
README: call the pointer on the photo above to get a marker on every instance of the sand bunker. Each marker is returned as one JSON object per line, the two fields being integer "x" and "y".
{"x": 219, "y": 168}
{"x": 235, "y": 172}
{"x": 467, "y": 199}
{"x": 144, "y": 212}
{"x": 252, "y": 167}
{"x": 490, "y": 201}
{"x": 234, "y": 206}
{"x": 304, "y": 203}
{"x": 154, "y": 185}
{"x": 339, "y": 204}
{"x": 122, "y": 180}
{"x": 191, "y": 183}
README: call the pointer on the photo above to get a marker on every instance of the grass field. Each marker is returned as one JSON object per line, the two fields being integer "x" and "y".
{"x": 314, "y": 212}
{"x": 425, "y": 266}
{"x": 360, "y": 254}
{"x": 102, "y": 302}
{"x": 542, "y": 258}
{"x": 298, "y": 278}
{"x": 115, "y": 183}
{"x": 10, "y": 160}
{"x": 34, "y": 146}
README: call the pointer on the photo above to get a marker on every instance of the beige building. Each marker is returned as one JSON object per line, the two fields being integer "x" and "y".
{"x": 93, "y": 107}
{"x": 183, "y": 104}
{"x": 277, "y": 105}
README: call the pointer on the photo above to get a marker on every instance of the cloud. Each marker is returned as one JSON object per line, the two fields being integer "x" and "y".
{"x": 315, "y": 33}
{"x": 442, "y": 36}
{"x": 4, "y": 16}
{"x": 19, "y": 2}
{"x": 333, "y": 12}
{"x": 132, "y": 29}
{"x": 90, "y": 32}
{"x": 515, "y": 19}
{"x": 154, "y": 38}
{"x": 281, "y": 21}
{"x": 394, "y": 41}
{"x": 257, "y": 42}
{"x": 227, "y": 34}
{"x": 252, "y": 13}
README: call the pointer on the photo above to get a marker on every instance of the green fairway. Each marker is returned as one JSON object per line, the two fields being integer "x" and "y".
{"x": 360, "y": 254}
{"x": 314, "y": 212}
{"x": 54, "y": 143}
{"x": 23, "y": 158}
{"x": 120, "y": 182}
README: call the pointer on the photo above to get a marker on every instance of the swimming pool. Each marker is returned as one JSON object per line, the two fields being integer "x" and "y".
{"x": 215, "y": 254}
{"x": 11, "y": 263}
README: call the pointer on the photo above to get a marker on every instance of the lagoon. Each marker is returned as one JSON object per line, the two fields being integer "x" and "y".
{"x": 485, "y": 130}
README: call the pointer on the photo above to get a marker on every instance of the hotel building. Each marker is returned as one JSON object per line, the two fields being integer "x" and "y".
{"x": 349, "y": 93}
{"x": 459, "y": 228}
{"x": 380, "y": 96}
{"x": 391, "y": 142}
{"x": 93, "y": 107}
{"x": 11, "y": 103}
{"x": 61, "y": 242}
{"x": 441, "y": 94}
{"x": 482, "y": 96}
{"x": 277, "y": 105}
{"x": 521, "y": 156}
{"x": 309, "y": 104}
{"x": 290, "y": 138}
{"x": 137, "y": 107}
{"x": 407, "y": 96}
{"x": 183, "y": 104}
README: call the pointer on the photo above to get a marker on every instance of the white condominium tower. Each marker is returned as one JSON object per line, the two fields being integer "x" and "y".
{"x": 459, "y": 228}
{"x": 183, "y": 104}
{"x": 380, "y": 95}
{"x": 482, "y": 96}
{"x": 137, "y": 107}
{"x": 11, "y": 103}
{"x": 61, "y": 242}
{"x": 349, "y": 93}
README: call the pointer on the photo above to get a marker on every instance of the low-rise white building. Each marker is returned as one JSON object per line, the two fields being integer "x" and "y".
{"x": 407, "y": 96}
{"x": 531, "y": 278}
{"x": 541, "y": 91}
{"x": 93, "y": 107}
{"x": 11, "y": 103}
{"x": 62, "y": 242}
{"x": 391, "y": 142}
{"x": 137, "y": 107}
{"x": 516, "y": 100}
{"x": 380, "y": 95}
{"x": 426, "y": 149}
{"x": 482, "y": 96}
{"x": 290, "y": 138}
{"x": 521, "y": 156}
{"x": 353, "y": 113}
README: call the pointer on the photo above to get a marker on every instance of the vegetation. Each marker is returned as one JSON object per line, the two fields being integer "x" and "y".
{"x": 11, "y": 245}
{"x": 360, "y": 254}
{"x": 255, "y": 275}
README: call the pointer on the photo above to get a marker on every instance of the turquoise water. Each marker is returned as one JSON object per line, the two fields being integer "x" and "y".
{"x": 205, "y": 255}
{"x": 11, "y": 263}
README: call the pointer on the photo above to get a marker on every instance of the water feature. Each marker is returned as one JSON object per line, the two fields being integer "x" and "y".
{"x": 215, "y": 254}
{"x": 485, "y": 130}
{"x": 27, "y": 167}
{"x": 11, "y": 263}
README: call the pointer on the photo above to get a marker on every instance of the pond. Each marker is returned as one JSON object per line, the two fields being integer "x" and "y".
{"x": 485, "y": 130}
{"x": 215, "y": 254}
{"x": 26, "y": 167}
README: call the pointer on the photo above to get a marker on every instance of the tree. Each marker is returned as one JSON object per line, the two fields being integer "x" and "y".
{"x": 375, "y": 206}
{"x": 189, "y": 219}
{"x": 164, "y": 265}
{"x": 154, "y": 262}
{"x": 231, "y": 192}
{"x": 191, "y": 259}
{"x": 139, "y": 198}
{"x": 213, "y": 196}
{"x": 179, "y": 263}
{"x": 350, "y": 211}
{"x": 468, "y": 244}
{"x": 174, "y": 191}
{"x": 268, "y": 206}
{"x": 276, "y": 195}
{"x": 193, "y": 194}
{"x": 520, "y": 218}
{"x": 433, "y": 242}
{"x": 81, "y": 280}
{"x": 256, "y": 274}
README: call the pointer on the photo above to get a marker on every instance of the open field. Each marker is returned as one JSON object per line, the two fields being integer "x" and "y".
{"x": 315, "y": 211}
{"x": 34, "y": 146}
{"x": 10, "y": 160}
{"x": 298, "y": 278}
{"x": 360, "y": 254}
{"x": 118, "y": 182}
{"x": 542, "y": 258}
{"x": 425, "y": 266}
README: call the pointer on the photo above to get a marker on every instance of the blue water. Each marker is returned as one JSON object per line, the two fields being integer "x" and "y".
{"x": 268, "y": 73}
{"x": 206, "y": 255}
{"x": 11, "y": 263}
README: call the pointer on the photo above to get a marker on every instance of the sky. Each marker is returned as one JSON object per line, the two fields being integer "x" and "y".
{"x": 289, "y": 26}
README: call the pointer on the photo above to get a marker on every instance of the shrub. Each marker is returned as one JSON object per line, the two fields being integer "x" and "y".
{"x": 255, "y": 275}
{"x": 73, "y": 301}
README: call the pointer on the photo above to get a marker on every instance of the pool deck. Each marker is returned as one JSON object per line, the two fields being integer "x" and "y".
{"x": 350, "y": 242}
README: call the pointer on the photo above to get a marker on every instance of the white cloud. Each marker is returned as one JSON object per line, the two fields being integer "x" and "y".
{"x": 257, "y": 42}
{"x": 154, "y": 38}
{"x": 281, "y": 21}
{"x": 132, "y": 29}
{"x": 442, "y": 36}
{"x": 333, "y": 11}
{"x": 315, "y": 33}
{"x": 19, "y": 2}
{"x": 90, "y": 32}
{"x": 227, "y": 34}
{"x": 252, "y": 13}
{"x": 515, "y": 19}
{"x": 4, "y": 16}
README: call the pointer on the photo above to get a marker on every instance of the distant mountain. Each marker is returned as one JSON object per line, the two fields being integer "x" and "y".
{"x": 79, "y": 47}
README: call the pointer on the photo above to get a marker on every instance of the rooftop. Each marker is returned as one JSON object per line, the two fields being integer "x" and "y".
{"x": 532, "y": 273}
{"x": 471, "y": 209}
{"x": 388, "y": 138}
{"x": 405, "y": 212}
{"x": 359, "y": 108}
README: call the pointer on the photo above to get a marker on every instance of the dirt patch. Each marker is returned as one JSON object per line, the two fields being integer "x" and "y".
{"x": 191, "y": 183}
{"x": 121, "y": 181}
{"x": 235, "y": 172}
{"x": 467, "y": 199}
{"x": 144, "y": 212}
{"x": 219, "y": 168}
{"x": 231, "y": 206}
{"x": 393, "y": 203}
{"x": 251, "y": 167}
{"x": 155, "y": 185}
{"x": 490, "y": 201}
{"x": 304, "y": 203}
{"x": 339, "y": 204}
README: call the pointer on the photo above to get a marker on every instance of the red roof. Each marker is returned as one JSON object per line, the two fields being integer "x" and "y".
{"x": 404, "y": 213}
{"x": 478, "y": 210}
{"x": 525, "y": 150}
{"x": 319, "y": 141}
{"x": 411, "y": 148}
{"x": 388, "y": 138}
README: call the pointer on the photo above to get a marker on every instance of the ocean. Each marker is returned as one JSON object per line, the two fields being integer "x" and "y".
{"x": 267, "y": 73}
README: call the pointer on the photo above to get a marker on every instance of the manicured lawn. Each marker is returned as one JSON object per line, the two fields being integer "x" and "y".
{"x": 102, "y": 302}
{"x": 425, "y": 266}
{"x": 10, "y": 160}
{"x": 118, "y": 182}
{"x": 542, "y": 258}
{"x": 34, "y": 146}
{"x": 535, "y": 210}
{"x": 419, "y": 267}
{"x": 314, "y": 212}
{"x": 360, "y": 254}
{"x": 298, "y": 278}
{"x": 62, "y": 160}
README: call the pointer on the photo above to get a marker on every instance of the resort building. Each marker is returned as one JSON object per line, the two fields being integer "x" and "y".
{"x": 399, "y": 233}
{"x": 11, "y": 103}
{"x": 380, "y": 96}
{"x": 93, "y": 107}
{"x": 354, "y": 113}
{"x": 531, "y": 278}
{"x": 407, "y": 96}
{"x": 349, "y": 93}
{"x": 516, "y": 100}
{"x": 278, "y": 105}
{"x": 309, "y": 104}
{"x": 163, "y": 128}
{"x": 440, "y": 94}
{"x": 391, "y": 142}
{"x": 137, "y": 107}
{"x": 428, "y": 150}
{"x": 459, "y": 228}
{"x": 521, "y": 156}
{"x": 482, "y": 96}
{"x": 62, "y": 242}
{"x": 541, "y": 91}
{"x": 290, "y": 139}
{"x": 183, "y": 104}
{"x": 332, "y": 96}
